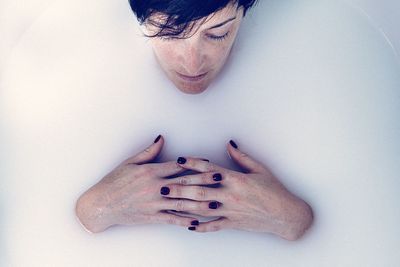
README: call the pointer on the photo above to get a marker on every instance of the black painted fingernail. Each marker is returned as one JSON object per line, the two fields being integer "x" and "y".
{"x": 196, "y": 222}
{"x": 205, "y": 160}
{"x": 213, "y": 205}
{"x": 217, "y": 177}
{"x": 181, "y": 160}
{"x": 192, "y": 228}
{"x": 164, "y": 191}
{"x": 233, "y": 144}
{"x": 157, "y": 139}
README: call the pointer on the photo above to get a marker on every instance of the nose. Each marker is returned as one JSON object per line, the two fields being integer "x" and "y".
{"x": 193, "y": 57}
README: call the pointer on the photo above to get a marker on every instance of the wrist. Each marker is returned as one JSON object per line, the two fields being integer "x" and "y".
{"x": 298, "y": 221}
{"x": 91, "y": 215}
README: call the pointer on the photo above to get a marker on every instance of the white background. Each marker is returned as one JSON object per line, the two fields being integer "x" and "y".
{"x": 312, "y": 90}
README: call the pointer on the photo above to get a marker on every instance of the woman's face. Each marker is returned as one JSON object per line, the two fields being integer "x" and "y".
{"x": 193, "y": 63}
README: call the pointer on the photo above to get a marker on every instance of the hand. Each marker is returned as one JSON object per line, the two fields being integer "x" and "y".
{"x": 130, "y": 194}
{"x": 253, "y": 200}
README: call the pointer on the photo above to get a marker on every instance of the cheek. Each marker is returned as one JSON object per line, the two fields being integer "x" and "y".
{"x": 220, "y": 53}
{"x": 165, "y": 53}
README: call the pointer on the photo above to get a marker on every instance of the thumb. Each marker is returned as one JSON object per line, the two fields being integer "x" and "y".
{"x": 149, "y": 154}
{"x": 243, "y": 160}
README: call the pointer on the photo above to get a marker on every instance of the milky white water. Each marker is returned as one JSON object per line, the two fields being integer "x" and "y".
{"x": 312, "y": 90}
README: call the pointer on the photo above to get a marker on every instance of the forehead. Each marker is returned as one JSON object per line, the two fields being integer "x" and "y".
{"x": 227, "y": 12}
{"x": 213, "y": 19}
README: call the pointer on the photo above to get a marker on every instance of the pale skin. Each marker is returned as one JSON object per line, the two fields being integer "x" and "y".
{"x": 140, "y": 191}
{"x": 130, "y": 194}
{"x": 253, "y": 200}
{"x": 204, "y": 52}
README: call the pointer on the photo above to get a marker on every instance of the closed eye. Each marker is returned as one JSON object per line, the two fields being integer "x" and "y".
{"x": 218, "y": 37}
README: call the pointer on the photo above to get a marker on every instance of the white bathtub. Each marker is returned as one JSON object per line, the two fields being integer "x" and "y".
{"x": 312, "y": 90}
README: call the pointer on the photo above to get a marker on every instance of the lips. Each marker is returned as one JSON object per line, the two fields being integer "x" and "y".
{"x": 191, "y": 78}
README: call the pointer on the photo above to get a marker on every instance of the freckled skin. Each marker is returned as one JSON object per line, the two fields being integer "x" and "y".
{"x": 198, "y": 53}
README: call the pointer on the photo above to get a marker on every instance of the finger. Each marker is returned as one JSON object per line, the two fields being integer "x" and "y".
{"x": 165, "y": 169}
{"x": 198, "y": 165}
{"x": 202, "y": 208}
{"x": 167, "y": 218}
{"x": 149, "y": 154}
{"x": 198, "y": 179}
{"x": 243, "y": 160}
{"x": 213, "y": 226}
{"x": 193, "y": 192}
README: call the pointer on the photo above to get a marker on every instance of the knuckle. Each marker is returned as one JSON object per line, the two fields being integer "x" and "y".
{"x": 180, "y": 205}
{"x": 243, "y": 155}
{"x": 239, "y": 178}
{"x": 201, "y": 192}
{"x": 171, "y": 220}
{"x": 183, "y": 180}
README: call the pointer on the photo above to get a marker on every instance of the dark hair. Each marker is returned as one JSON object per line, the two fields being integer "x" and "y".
{"x": 178, "y": 16}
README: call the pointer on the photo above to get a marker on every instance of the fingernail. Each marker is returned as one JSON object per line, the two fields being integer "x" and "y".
{"x": 157, "y": 139}
{"x": 192, "y": 228}
{"x": 164, "y": 190}
{"x": 217, "y": 177}
{"x": 233, "y": 144}
{"x": 213, "y": 205}
{"x": 205, "y": 160}
{"x": 196, "y": 222}
{"x": 181, "y": 160}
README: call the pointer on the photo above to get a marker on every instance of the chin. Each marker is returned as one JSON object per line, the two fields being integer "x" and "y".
{"x": 192, "y": 88}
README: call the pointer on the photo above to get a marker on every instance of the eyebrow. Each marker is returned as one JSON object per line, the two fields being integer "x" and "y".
{"x": 222, "y": 23}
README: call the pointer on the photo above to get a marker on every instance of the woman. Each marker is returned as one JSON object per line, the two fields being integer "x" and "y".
{"x": 192, "y": 41}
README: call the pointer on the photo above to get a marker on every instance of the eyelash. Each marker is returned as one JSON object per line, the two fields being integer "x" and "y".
{"x": 212, "y": 37}
{"x": 218, "y": 38}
